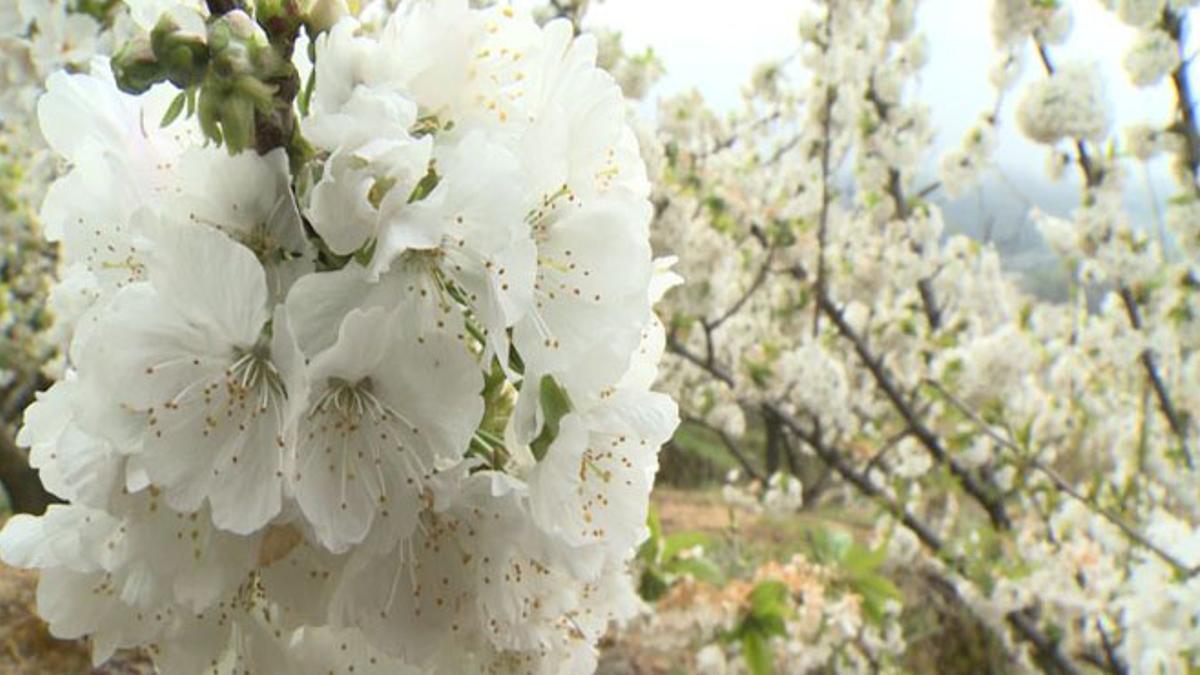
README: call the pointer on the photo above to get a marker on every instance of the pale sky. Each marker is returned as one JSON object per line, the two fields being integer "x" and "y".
{"x": 714, "y": 46}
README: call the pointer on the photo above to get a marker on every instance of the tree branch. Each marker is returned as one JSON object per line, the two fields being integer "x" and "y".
{"x": 1093, "y": 176}
{"x": 1054, "y": 660}
{"x": 20, "y": 481}
{"x": 1063, "y": 485}
{"x": 895, "y": 188}
{"x": 707, "y": 364}
{"x": 729, "y": 443}
{"x": 1175, "y": 24}
{"x": 823, "y": 219}
{"x": 994, "y": 507}
{"x": 756, "y": 284}
{"x": 1150, "y": 364}
{"x": 1020, "y": 622}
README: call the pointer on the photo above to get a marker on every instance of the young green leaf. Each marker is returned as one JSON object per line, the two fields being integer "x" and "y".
{"x": 174, "y": 109}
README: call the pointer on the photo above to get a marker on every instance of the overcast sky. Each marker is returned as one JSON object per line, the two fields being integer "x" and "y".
{"x": 714, "y": 46}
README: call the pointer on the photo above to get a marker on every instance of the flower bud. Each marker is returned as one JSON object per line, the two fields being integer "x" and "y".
{"x": 135, "y": 67}
{"x": 231, "y": 39}
{"x": 182, "y": 54}
{"x": 227, "y": 114}
{"x": 320, "y": 15}
{"x": 242, "y": 79}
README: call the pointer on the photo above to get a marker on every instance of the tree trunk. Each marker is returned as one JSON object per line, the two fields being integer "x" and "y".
{"x": 20, "y": 481}
{"x": 774, "y": 442}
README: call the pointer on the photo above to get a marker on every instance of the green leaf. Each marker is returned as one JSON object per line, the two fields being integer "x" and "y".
{"x": 555, "y": 406}
{"x": 830, "y": 546}
{"x": 652, "y": 586}
{"x": 757, "y": 652}
{"x": 174, "y": 109}
{"x": 699, "y": 569}
{"x": 875, "y": 591}
{"x": 768, "y": 599}
{"x": 862, "y": 560}
{"x": 654, "y": 523}
{"x": 681, "y": 541}
{"x": 425, "y": 186}
{"x": 366, "y": 251}
{"x": 648, "y": 552}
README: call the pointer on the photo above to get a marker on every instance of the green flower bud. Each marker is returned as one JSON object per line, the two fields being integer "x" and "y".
{"x": 247, "y": 92}
{"x": 135, "y": 67}
{"x": 229, "y": 42}
{"x": 182, "y": 54}
{"x": 280, "y": 18}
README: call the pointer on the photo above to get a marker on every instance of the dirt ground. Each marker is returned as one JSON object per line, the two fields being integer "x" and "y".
{"x": 26, "y": 648}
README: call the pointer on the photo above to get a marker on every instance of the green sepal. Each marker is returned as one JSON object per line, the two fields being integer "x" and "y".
{"x": 555, "y": 406}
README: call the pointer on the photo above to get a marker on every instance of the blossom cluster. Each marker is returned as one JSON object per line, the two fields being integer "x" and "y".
{"x": 36, "y": 38}
{"x": 1032, "y": 453}
{"x": 375, "y": 399}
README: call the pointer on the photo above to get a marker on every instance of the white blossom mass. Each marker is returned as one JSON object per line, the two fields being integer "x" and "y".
{"x": 374, "y": 400}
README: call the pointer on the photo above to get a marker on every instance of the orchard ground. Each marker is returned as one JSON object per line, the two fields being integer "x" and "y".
{"x": 942, "y": 639}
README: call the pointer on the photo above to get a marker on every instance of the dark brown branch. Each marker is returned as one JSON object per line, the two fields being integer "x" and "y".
{"x": 20, "y": 481}
{"x": 1093, "y": 176}
{"x": 1064, "y": 486}
{"x": 707, "y": 364}
{"x": 729, "y": 443}
{"x": 929, "y": 189}
{"x": 1027, "y": 628}
{"x": 1149, "y": 363}
{"x": 1112, "y": 662}
{"x": 991, "y": 504}
{"x": 571, "y": 10}
{"x": 734, "y": 134}
{"x": 1175, "y": 24}
{"x": 895, "y": 188}
{"x": 789, "y": 452}
{"x": 838, "y": 463}
{"x": 927, "y": 438}
{"x": 221, "y": 7}
{"x": 755, "y": 285}
{"x": 1053, "y": 660}
{"x": 823, "y": 220}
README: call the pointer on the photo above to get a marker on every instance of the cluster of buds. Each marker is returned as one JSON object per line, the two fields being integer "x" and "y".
{"x": 234, "y": 71}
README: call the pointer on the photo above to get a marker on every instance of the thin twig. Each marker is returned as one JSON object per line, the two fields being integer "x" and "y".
{"x": 1025, "y": 627}
{"x": 1094, "y": 176}
{"x": 993, "y": 506}
{"x": 707, "y": 364}
{"x": 1175, "y": 24}
{"x": 1150, "y": 364}
{"x": 755, "y": 285}
{"x": 895, "y": 188}
{"x": 729, "y": 443}
{"x": 1063, "y": 485}
{"x": 1020, "y": 622}
{"x": 823, "y": 218}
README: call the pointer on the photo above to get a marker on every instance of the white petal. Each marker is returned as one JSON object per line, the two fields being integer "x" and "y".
{"x": 211, "y": 279}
